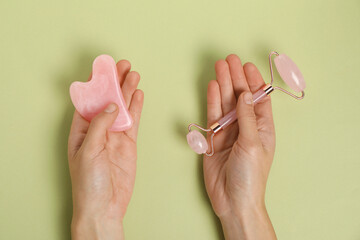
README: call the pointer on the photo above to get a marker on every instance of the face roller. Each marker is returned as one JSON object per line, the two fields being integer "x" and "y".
{"x": 289, "y": 73}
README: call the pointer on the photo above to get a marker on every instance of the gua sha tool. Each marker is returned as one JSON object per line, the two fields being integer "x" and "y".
{"x": 289, "y": 73}
{"x": 92, "y": 97}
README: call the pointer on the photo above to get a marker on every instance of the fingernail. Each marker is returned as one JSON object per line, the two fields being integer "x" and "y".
{"x": 248, "y": 98}
{"x": 110, "y": 108}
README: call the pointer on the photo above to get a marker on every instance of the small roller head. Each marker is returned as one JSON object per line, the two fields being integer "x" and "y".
{"x": 197, "y": 142}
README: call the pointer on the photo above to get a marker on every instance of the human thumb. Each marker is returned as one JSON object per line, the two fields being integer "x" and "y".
{"x": 96, "y": 135}
{"x": 248, "y": 131}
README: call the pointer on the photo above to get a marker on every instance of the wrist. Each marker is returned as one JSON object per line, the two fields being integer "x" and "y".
{"x": 96, "y": 229}
{"x": 246, "y": 223}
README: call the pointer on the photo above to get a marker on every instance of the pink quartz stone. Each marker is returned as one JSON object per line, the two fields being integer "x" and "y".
{"x": 228, "y": 119}
{"x": 92, "y": 97}
{"x": 197, "y": 142}
{"x": 290, "y": 73}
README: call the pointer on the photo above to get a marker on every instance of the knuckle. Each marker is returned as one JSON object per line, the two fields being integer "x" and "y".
{"x": 248, "y": 117}
{"x": 248, "y": 146}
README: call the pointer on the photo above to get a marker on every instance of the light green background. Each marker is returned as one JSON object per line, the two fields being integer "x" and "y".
{"x": 314, "y": 185}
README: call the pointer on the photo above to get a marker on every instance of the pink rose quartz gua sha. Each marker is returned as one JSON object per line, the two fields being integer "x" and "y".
{"x": 290, "y": 74}
{"x": 92, "y": 97}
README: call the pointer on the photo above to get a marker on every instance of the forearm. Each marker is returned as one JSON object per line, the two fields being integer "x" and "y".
{"x": 96, "y": 229}
{"x": 248, "y": 224}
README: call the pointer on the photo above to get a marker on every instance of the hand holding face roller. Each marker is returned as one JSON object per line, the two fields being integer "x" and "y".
{"x": 290, "y": 74}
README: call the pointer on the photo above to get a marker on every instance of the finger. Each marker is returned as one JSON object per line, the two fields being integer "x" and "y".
{"x": 135, "y": 109}
{"x": 79, "y": 128}
{"x": 214, "y": 112}
{"x": 96, "y": 137}
{"x": 123, "y": 67}
{"x": 248, "y": 132}
{"x": 89, "y": 78}
{"x": 228, "y": 101}
{"x": 263, "y": 109}
{"x": 129, "y": 86}
{"x": 237, "y": 74}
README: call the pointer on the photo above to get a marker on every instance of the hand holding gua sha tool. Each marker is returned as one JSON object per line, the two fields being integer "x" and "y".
{"x": 92, "y": 97}
{"x": 290, "y": 74}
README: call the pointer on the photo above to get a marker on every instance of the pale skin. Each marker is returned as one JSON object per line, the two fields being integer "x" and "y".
{"x": 236, "y": 175}
{"x": 103, "y": 163}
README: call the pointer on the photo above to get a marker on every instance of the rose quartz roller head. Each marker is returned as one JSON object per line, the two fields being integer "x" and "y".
{"x": 90, "y": 98}
{"x": 289, "y": 73}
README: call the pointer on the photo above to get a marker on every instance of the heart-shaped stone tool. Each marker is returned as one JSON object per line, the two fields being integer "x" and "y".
{"x": 92, "y": 97}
